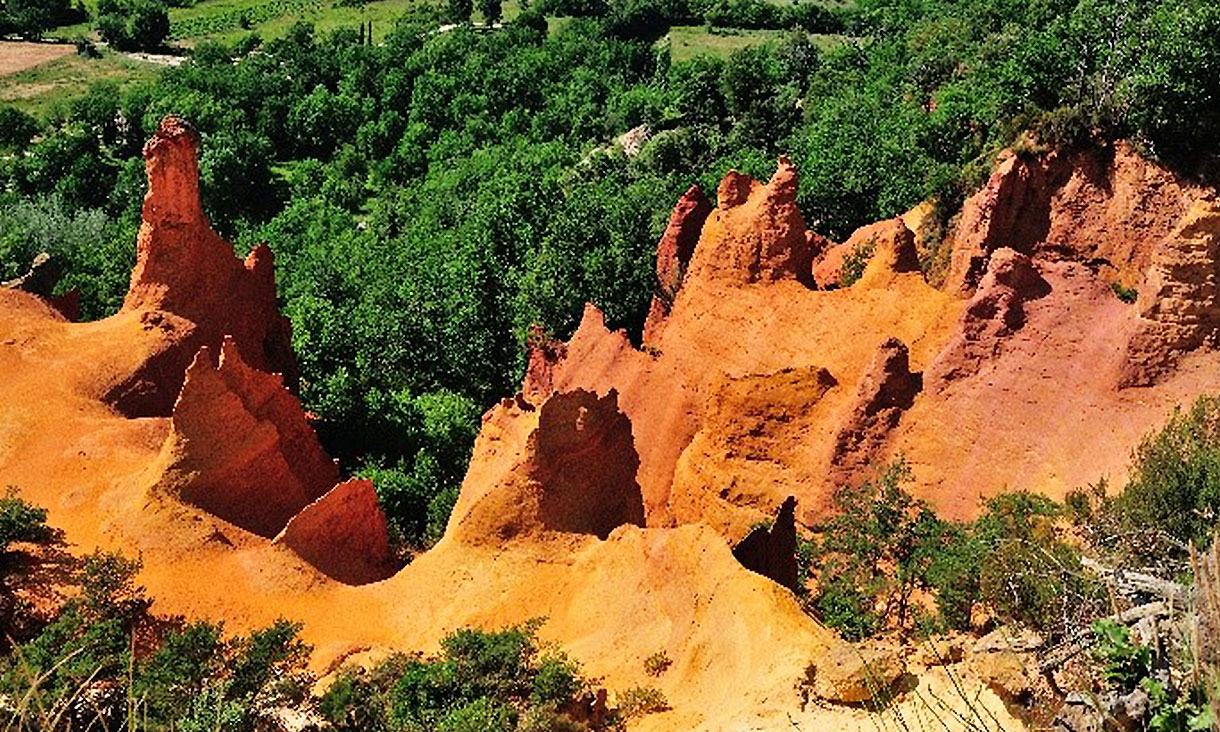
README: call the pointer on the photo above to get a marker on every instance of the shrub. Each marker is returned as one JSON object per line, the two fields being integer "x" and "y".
{"x": 21, "y": 521}
{"x": 856, "y": 262}
{"x": 141, "y": 25}
{"x": 874, "y": 553}
{"x": 1174, "y": 486}
{"x": 16, "y": 128}
{"x": 638, "y": 701}
{"x": 1028, "y": 573}
{"x": 657, "y": 664}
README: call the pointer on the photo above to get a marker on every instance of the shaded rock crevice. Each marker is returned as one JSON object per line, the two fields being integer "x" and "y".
{"x": 771, "y": 550}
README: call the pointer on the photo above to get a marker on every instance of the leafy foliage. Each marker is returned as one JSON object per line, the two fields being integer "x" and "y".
{"x": 189, "y": 677}
{"x": 480, "y": 681}
{"x": 882, "y": 547}
{"x": 1174, "y": 487}
{"x": 133, "y": 24}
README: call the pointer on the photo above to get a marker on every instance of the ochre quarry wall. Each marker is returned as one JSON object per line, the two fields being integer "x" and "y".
{"x": 610, "y": 494}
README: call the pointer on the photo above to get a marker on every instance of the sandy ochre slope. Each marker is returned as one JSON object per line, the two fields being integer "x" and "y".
{"x": 609, "y": 494}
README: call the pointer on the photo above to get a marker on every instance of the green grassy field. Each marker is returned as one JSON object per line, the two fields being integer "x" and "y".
{"x": 687, "y": 42}
{"x": 40, "y": 89}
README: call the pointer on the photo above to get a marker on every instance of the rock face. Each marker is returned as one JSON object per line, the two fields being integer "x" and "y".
{"x": 996, "y": 311}
{"x": 751, "y": 446}
{"x": 1179, "y": 304}
{"x": 567, "y": 466}
{"x": 887, "y": 389}
{"x": 239, "y": 446}
{"x": 187, "y": 282}
{"x": 1106, "y": 204}
{"x": 673, "y": 256}
{"x": 344, "y": 534}
{"x": 756, "y": 233}
{"x": 771, "y": 550}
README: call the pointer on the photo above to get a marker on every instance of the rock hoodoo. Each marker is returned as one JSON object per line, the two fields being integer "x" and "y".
{"x": 885, "y": 391}
{"x": 343, "y": 534}
{"x": 187, "y": 283}
{"x": 567, "y": 466}
{"x": 673, "y": 256}
{"x": 239, "y": 446}
{"x": 756, "y": 233}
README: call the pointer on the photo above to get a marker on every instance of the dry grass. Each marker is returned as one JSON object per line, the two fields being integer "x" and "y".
{"x": 19, "y": 55}
{"x": 38, "y": 90}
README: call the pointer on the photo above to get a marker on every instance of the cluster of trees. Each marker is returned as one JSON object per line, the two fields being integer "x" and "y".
{"x": 31, "y": 18}
{"x": 651, "y": 18}
{"x": 130, "y": 25}
{"x": 1021, "y": 559}
{"x": 431, "y": 197}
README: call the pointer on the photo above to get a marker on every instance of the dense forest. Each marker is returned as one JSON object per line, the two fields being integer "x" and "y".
{"x": 429, "y": 198}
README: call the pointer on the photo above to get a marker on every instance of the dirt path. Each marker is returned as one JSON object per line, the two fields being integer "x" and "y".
{"x": 20, "y": 55}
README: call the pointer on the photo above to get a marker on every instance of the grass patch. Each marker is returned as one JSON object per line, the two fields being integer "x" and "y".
{"x": 690, "y": 41}
{"x": 39, "y": 90}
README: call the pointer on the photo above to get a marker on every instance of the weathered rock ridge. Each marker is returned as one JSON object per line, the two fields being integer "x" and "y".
{"x": 343, "y": 534}
{"x": 187, "y": 283}
{"x": 239, "y": 446}
{"x": 621, "y": 493}
{"x": 567, "y": 465}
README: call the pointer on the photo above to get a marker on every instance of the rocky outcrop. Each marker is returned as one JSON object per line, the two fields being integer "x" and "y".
{"x": 888, "y": 246}
{"x": 44, "y": 274}
{"x": 995, "y": 312}
{"x": 887, "y": 389}
{"x": 239, "y": 446}
{"x": 853, "y": 674}
{"x": 1179, "y": 304}
{"x": 1105, "y": 205}
{"x": 186, "y": 274}
{"x": 343, "y": 534}
{"x": 770, "y": 550}
{"x": 756, "y": 233}
{"x": 542, "y": 353}
{"x": 568, "y": 466}
{"x": 674, "y": 252}
{"x": 751, "y": 451}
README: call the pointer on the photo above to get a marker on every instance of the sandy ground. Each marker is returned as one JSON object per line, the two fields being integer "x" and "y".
{"x": 20, "y": 55}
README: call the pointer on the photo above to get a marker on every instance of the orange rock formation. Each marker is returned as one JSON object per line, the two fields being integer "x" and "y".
{"x": 239, "y": 447}
{"x": 343, "y": 534}
{"x": 608, "y": 494}
{"x": 188, "y": 285}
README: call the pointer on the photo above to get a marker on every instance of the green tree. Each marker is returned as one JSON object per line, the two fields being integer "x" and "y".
{"x": 492, "y": 10}
{"x": 460, "y": 10}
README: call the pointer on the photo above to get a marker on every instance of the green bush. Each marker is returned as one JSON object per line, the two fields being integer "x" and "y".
{"x": 21, "y": 521}
{"x": 1174, "y": 486}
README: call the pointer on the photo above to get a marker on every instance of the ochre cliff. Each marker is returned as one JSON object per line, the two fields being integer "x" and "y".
{"x": 640, "y": 499}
